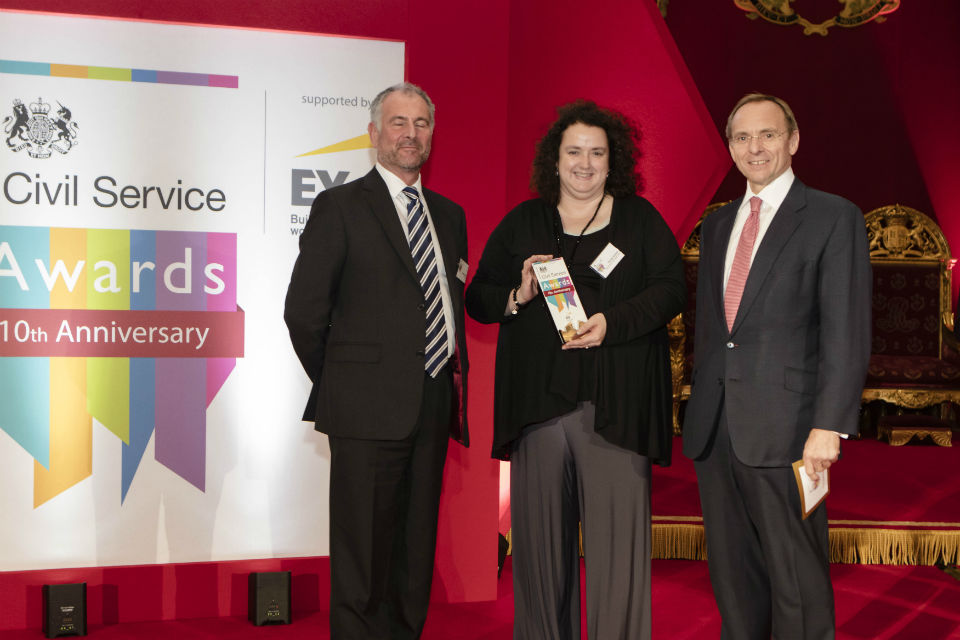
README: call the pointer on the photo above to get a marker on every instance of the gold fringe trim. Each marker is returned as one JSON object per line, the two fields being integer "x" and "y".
{"x": 847, "y": 546}
{"x": 894, "y": 546}
{"x": 685, "y": 541}
{"x": 912, "y": 524}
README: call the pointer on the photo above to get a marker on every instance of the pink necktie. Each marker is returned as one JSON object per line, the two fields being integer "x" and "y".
{"x": 741, "y": 262}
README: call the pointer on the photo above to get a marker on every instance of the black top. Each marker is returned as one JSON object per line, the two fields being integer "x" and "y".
{"x": 629, "y": 373}
{"x": 580, "y": 364}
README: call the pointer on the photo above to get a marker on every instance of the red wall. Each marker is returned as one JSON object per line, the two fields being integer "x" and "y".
{"x": 620, "y": 55}
{"x": 464, "y": 70}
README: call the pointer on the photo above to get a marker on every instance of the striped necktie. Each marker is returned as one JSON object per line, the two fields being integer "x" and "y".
{"x": 425, "y": 260}
{"x": 741, "y": 263}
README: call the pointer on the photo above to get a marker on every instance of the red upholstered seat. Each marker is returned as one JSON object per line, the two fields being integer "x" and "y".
{"x": 910, "y": 349}
{"x": 920, "y": 372}
{"x": 915, "y": 361}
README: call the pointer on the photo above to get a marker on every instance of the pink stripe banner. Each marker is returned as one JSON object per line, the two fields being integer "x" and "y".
{"x": 121, "y": 333}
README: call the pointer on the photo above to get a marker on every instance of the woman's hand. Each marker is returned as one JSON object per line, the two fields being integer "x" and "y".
{"x": 590, "y": 333}
{"x": 528, "y": 288}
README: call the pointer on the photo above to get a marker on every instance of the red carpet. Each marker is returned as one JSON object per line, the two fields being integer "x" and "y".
{"x": 890, "y": 505}
{"x": 878, "y": 602}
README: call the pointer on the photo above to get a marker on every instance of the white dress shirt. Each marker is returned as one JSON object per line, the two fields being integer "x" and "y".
{"x": 773, "y": 196}
{"x": 395, "y": 186}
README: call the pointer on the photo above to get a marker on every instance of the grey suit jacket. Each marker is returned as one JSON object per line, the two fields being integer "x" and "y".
{"x": 797, "y": 355}
{"x": 355, "y": 312}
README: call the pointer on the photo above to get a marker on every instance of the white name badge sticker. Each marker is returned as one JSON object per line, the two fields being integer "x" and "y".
{"x": 608, "y": 260}
{"x": 462, "y": 271}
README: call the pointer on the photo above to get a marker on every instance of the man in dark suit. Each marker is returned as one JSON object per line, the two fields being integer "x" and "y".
{"x": 375, "y": 313}
{"x": 781, "y": 348}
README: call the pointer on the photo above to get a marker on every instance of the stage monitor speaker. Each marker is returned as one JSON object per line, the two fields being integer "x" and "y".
{"x": 65, "y": 610}
{"x": 269, "y": 598}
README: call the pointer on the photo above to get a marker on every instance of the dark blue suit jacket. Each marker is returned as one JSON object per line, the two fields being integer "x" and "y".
{"x": 797, "y": 355}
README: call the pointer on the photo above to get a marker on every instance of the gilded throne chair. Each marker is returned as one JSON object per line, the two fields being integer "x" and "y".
{"x": 915, "y": 357}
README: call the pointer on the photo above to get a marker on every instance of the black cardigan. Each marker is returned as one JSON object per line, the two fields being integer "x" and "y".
{"x": 640, "y": 296}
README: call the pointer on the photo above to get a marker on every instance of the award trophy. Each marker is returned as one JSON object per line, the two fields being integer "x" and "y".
{"x": 561, "y": 296}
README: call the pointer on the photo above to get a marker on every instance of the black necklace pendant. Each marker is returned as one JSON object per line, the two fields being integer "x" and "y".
{"x": 559, "y": 233}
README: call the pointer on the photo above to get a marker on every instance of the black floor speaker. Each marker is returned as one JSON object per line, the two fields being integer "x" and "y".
{"x": 65, "y": 610}
{"x": 269, "y": 598}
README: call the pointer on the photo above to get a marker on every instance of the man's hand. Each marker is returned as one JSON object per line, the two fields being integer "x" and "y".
{"x": 820, "y": 451}
{"x": 590, "y": 333}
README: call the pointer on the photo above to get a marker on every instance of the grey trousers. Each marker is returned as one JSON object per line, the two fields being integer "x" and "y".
{"x": 562, "y": 473}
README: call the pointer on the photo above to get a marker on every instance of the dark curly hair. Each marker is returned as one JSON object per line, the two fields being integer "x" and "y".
{"x": 623, "y": 138}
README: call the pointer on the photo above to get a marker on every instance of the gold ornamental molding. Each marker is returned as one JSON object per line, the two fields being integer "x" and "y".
{"x": 853, "y": 14}
{"x": 690, "y": 252}
{"x": 678, "y": 356}
{"x": 900, "y": 233}
{"x": 899, "y": 436}
{"x": 911, "y": 398}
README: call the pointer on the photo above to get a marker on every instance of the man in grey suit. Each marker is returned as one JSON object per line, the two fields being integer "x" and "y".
{"x": 781, "y": 348}
{"x": 375, "y": 313}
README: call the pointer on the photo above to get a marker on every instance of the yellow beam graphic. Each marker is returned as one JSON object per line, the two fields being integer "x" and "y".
{"x": 353, "y": 144}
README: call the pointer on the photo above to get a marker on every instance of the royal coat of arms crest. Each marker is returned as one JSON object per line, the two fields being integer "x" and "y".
{"x": 38, "y": 132}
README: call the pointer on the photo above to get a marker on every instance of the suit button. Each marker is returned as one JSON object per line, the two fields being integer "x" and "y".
{"x": 730, "y": 345}
{"x": 420, "y": 353}
{"x": 720, "y": 381}
{"x": 421, "y": 306}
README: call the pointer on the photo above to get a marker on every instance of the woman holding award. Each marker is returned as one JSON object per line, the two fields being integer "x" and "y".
{"x": 582, "y": 397}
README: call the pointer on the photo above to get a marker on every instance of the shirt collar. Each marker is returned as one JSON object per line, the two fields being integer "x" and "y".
{"x": 774, "y": 193}
{"x": 394, "y": 184}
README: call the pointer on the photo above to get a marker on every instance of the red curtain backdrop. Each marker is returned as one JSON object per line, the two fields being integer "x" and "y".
{"x": 620, "y": 55}
{"x": 877, "y": 105}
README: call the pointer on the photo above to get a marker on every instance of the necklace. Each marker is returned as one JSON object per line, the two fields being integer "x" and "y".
{"x": 558, "y": 229}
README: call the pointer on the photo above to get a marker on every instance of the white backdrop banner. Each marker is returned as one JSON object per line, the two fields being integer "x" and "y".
{"x": 155, "y": 179}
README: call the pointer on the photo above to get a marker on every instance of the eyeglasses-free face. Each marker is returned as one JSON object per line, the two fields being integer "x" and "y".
{"x": 584, "y": 161}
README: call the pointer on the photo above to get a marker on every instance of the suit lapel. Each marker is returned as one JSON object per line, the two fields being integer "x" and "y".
{"x": 380, "y": 202}
{"x": 784, "y": 223}
{"x": 717, "y": 257}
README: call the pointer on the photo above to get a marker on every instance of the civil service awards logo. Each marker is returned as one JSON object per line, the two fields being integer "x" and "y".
{"x": 128, "y": 330}
{"x": 39, "y": 132}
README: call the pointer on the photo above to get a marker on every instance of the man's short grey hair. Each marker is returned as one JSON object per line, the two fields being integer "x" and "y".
{"x": 376, "y": 107}
{"x": 763, "y": 97}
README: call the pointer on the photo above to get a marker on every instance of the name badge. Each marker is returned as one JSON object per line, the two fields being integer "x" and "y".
{"x": 608, "y": 260}
{"x": 462, "y": 271}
